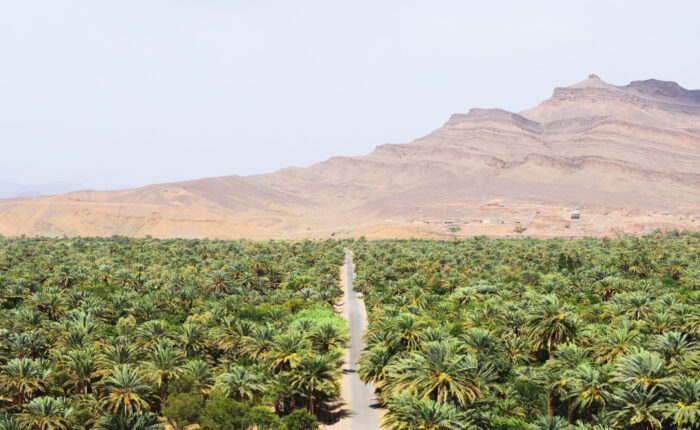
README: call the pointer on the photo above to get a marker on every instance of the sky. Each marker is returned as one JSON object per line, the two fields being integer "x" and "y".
{"x": 115, "y": 93}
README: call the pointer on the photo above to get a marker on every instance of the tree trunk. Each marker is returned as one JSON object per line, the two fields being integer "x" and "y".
{"x": 589, "y": 415}
{"x": 572, "y": 415}
{"x": 163, "y": 392}
{"x": 311, "y": 398}
{"x": 311, "y": 402}
{"x": 550, "y": 403}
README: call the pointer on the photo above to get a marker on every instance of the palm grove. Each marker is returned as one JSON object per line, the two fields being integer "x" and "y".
{"x": 556, "y": 334}
{"x": 138, "y": 333}
{"x": 124, "y": 333}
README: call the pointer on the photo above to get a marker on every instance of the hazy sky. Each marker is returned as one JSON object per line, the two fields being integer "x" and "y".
{"x": 116, "y": 92}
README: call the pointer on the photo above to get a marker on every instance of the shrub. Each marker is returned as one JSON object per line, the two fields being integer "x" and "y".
{"x": 126, "y": 326}
{"x": 222, "y": 413}
{"x": 183, "y": 409}
{"x": 184, "y": 384}
{"x": 263, "y": 419}
{"x": 300, "y": 420}
{"x": 512, "y": 423}
{"x": 319, "y": 314}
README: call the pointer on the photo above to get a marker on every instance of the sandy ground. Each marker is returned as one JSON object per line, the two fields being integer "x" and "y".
{"x": 501, "y": 219}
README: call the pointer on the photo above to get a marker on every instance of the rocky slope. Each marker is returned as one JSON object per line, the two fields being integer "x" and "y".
{"x": 629, "y": 154}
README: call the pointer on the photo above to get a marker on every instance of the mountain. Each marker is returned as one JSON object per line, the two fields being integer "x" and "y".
{"x": 628, "y": 157}
{"x": 11, "y": 189}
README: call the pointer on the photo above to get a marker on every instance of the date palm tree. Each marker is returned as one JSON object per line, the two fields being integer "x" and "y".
{"x": 638, "y": 304}
{"x": 8, "y": 422}
{"x": 609, "y": 286}
{"x": 27, "y": 318}
{"x": 408, "y": 330}
{"x": 83, "y": 370}
{"x": 673, "y": 347}
{"x": 45, "y": 413}
{"x": 119, "y": 353}
{"x": 287, "y": 351}
{"x": 550, "y": 323}
{"x": 124, "y": 278}
{"x": 373, "y": 364}
{"x": 316, "y": 375}
{"x": 659, "y": 322}
{"x": 191, "y": 339}
{"x": 682, "y": 402}
{"x": 558, "y": 373}
{"x": 230, "y": 334}
{"x": 615, "y": 343}
{"x": 240, "y": 383}
{"x": 138, "y": 421}
{"x": 125, "y": 393}
{"x": 638, "y": 407}
{"x": 164, "y": 362}
{"x": 27, "y": 344}
{"x": 199, "y": 372}
{"x": 139, "y": 273}
{"x": 518, "y": 350}
{"x": 589, "y": 389}
{"x": 327, "y": 336}
{"x": 439, "y": 373}
{"x": 547, "y": 422}
{"x": 481, "y": 341}
{"x": 24, "y": 379}
{"x": 259, "y": 342}
{"x": 691, "y": 323}
{"x": 152, "y": 332}
{"x": 220, "y": 281}
{"x": 408, "y": 412}
{"x": 641, "y": 370}
{"x": 51, "y": 301}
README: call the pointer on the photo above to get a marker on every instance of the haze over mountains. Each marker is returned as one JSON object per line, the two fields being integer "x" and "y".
{"x": 12, "y": 189}
{"x": 629, "y": 155}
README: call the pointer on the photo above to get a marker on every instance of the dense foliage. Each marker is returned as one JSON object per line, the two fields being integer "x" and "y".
{"x": 505, "y": 334}
{"x": 128, "y": 333}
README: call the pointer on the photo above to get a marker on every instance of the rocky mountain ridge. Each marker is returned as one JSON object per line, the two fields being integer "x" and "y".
{"x": 623, "y": 150}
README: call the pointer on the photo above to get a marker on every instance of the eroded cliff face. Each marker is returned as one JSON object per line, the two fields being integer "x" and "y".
{"x": 627, "y": 151}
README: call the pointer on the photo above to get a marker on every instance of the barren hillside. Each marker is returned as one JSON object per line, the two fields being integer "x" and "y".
{"x": 629, "y": 155}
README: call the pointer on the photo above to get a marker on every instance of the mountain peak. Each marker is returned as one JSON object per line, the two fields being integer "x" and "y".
{"x": 656, "y": 87}
{"x": 482, "y": 116}
{"x": 593, "y": 81}
{"x": 670, "y": 88}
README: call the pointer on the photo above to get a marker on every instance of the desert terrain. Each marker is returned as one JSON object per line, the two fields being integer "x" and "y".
{"x": 594, "y": 159}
